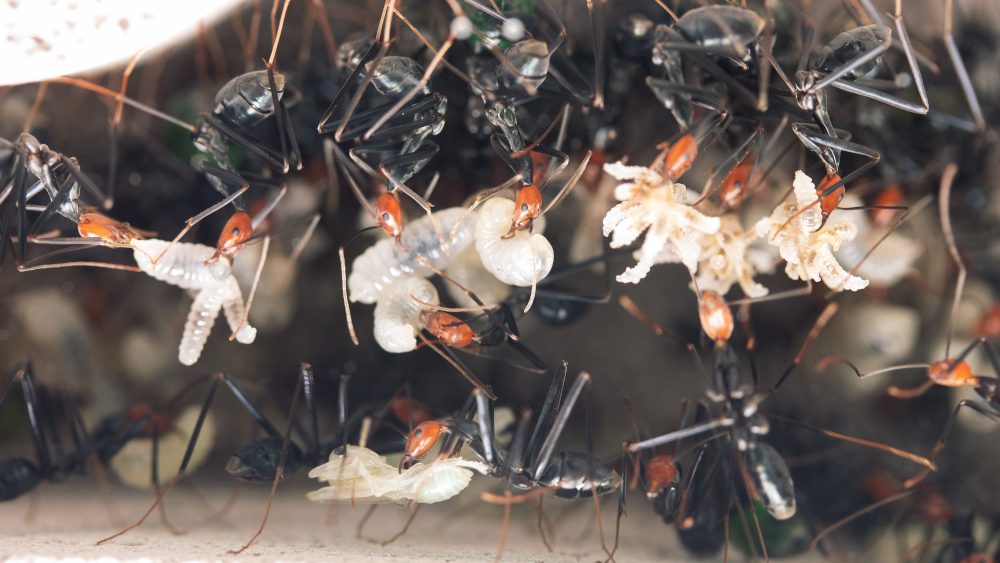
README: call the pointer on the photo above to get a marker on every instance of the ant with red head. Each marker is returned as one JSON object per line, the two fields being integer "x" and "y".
{"x": 949, "y": 372}
{"x": 529, "y": 464}
{"x": 762, "y": 470}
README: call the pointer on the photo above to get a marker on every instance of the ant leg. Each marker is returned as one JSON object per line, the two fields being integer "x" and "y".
{"x": 751, "y": 145}
{"x": 572, "y": 180}
{"x": 24, "y": 374}
{"x": 460, "y": 28}
{"x": 943, "y": 441}
{"x": 404, "y": 166}
{"x": 154, "y": 470}
{"x": 598, "y": 9}
{"x": 197, "y": 218}
{"x": 232, "y": 309}
{"x": 522, "y": 165}
{"x": 374, "y": 55}
{"x": 278, "y": 114}
{"x": 184, "y": 462}
{"x": 814, "y": 140}
{"x": 944, "y": 199}
{"x": 61, "y": 197}
{"x": 481, "y": 198}
{"x": 824, "y": 318}
{"x": 279, "y": 474}
{"x": 109, "y": 198}
{"x": 255, "y": 147}
{"x": 226, "y": 178}
{"x": 857, "y": 62}
{"x": 19, "y": 188}
{"x": 963, "y": 74}
{"x": 548, "y": 413}
{"x": 559, "y": 422}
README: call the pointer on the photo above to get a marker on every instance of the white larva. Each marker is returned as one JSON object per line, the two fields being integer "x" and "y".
{"x": 133, "y": 462}
{"x": 397, "y": 315}
{"x": 384, "y": 262}
{"x": 520, "y": 260}
{"x": 213, "y": 285}
{"x": 366, "y": 477}
{"x": 467, "y": 269}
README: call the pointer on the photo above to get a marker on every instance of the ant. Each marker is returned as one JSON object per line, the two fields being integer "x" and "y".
{"x": 401, "y": 126}
{"x": 529, "y": 464}
{"x": 950, "y": 372}
{"x": 763, "y": 472}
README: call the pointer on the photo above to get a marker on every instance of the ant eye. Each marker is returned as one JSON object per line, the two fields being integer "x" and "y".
{"x": 524, "y": 207}
{"x": 736, "y": 184}
{"x": 236, "y": 231}
{"x": 417, "y": 433}
{"x": 385, "y": 216}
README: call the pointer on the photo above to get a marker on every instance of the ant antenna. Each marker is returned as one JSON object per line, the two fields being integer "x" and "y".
{"x": 949, "y": 236}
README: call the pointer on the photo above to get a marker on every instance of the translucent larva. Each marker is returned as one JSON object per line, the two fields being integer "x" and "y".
{"x": 384, "y": 262}
{"x": 366, "y": 477}
{"x": 519, "y": 260}
{"x": 397, "y": 315}
{"x": 213, "y": 285}
{"x": 133, "y": 462}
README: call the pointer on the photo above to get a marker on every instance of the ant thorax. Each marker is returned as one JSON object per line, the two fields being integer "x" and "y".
{"x": 805, "y": 243}
{"x": 652, "y": 202}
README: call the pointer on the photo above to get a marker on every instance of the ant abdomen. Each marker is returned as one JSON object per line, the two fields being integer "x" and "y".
{"x": 17, "y": 477}
{"x": 246, "y": 100}
{"x": 257, "y": 462}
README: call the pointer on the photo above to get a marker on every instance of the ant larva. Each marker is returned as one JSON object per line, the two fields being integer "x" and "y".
{"x": 950, "y": 372}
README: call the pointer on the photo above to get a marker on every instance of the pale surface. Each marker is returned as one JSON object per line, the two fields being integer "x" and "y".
{"x": 71, "y": 518}
{"x": 42, "y": 39}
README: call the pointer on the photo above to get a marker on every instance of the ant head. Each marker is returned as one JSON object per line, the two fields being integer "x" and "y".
{"x": 830, "y": 202}
{"x": 389, "y": 215}
{"x": 734, "y": 186}
{"x": 661, "y": 471}
{"x": 680, "y": 157}
{"x": 891, "y": 196}
{"x": 420, "y": 441}
{"x": 111, "y": 232}
{"x": 234, "y": 236}
{"x": 989, "y": 324}
{"x": 527, "y": 208}
{"x": 449, "y": 329}
{"x": 948, "y": 374}
{"x": 716, "y": 317}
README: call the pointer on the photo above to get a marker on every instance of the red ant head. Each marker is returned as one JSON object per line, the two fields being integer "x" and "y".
{"x": 830, "y": 202}
{"x": 958, "y": 376}
{"x": 420, "y": 441}
{"x": 680, "y": 157}
{"x": 734, "y": 187}
{"x": 404, "y": 409}
{"x": 660, "y": 472}
{"x": 891, "y": 196}
{"x": 448, "y": 329}
{"x": 156, "y": 420}
{"x": 234, "y": 236}
{"x": 989, "y": 324}
{"x": 527, "y": 208}
{"x": 594, "y": 170}
{"x": 716, "y": 317}
{"x": 111, "y": 232}
{"x": 389, "y": 215}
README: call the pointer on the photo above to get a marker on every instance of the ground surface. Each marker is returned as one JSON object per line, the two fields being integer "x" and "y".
{"x": 68, "y": 523}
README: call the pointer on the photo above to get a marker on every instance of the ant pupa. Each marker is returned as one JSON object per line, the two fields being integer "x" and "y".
{"x": 950, "y": 372}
